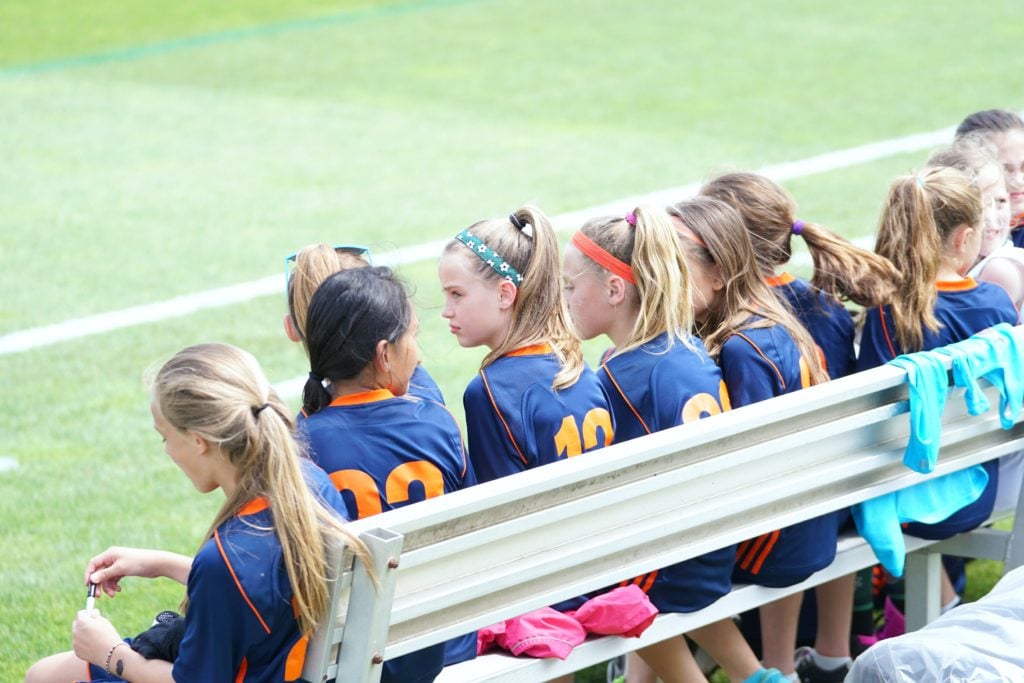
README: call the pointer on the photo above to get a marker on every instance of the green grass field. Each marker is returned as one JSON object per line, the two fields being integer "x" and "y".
{"x": 153, "y": 150}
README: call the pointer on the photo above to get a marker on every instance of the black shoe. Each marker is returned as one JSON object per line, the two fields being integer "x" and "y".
{"x": 810, "y": 672}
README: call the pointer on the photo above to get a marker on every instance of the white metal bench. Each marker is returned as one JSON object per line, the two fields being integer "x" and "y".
{"x": 470, "y": 559}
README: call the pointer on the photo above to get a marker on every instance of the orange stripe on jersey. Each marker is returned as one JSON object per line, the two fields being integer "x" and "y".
{"x": 254, "y": 506}
{"x": 773, "y": 537}
{"x": 1018, "y": 220}
{"x": 961, "y": 285}
{"x": 501, "y": 417}
{"x": 723, "y": 396}
{"x": 363, "y": 397}
{"x": 647, "y": 430}
{"x": 761, "y": 353}
{"x": 534, "y": 350}
{"x": 779, "y": 280}
{"x": 885, "y": 332}
{"x": 296, "y": 658}
{"x": 649, "y": 582}
{"x": 751, "y": 552}
{"x": 242, "y": 670}
{"x": 216, "y": 538}
{"x": 805, "y": 373}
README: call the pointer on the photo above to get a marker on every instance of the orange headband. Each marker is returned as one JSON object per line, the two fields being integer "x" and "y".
{"x": 591, "y": 249}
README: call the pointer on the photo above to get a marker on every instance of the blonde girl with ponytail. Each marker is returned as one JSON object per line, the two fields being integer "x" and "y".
{"x": 626, "y": 278}
{"x": 931, "y": 229}
{"x": 534, "y": 400}
{"x": 258, "y": 584}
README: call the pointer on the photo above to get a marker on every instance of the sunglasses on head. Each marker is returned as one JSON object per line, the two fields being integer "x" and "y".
{"x": 354, "y": 249}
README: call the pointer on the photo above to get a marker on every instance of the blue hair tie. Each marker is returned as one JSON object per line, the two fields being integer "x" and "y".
{"x": 490, "y": 257}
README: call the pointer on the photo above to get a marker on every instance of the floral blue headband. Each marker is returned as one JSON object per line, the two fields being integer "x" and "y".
{"x": 490, "y": 257}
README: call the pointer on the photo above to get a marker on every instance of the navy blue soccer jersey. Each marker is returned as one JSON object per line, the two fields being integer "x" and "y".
{"x": 828, "y": 322}
{"x": 384, "y": 452}
{"x": 761, "y": 362}
{"x": 653, "y": 387}
{"x": 757, "y": 364}
{"x": 516, "y": 421}
{"x": 963, "y": 307}
{"x": 240, "y": 624}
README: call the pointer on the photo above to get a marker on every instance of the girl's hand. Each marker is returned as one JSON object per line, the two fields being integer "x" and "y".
{"x": 113, "y": 564}
{"x": 92, "y": 636}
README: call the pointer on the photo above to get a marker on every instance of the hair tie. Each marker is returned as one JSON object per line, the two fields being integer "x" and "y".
{"x": 601, "y": 257}
{"x": 631, "y": 219}
{"x": 489, "y": 256}
{"x": 322, "y": 381}
{"x": 798, "y": 227}
{"x": 256, "y": 410}
{"x": 517, "y": 221}
{"x": 920, "y": 181}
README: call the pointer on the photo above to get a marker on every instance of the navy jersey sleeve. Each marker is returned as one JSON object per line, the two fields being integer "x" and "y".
{"x": 492, "y": 453}
{"x": 748, "y": 375}
{"x": 876, "y": 347}
{"x": 323, "y": 488}
{"x": 220, "y": 627}
{"x": 422, "y": 385}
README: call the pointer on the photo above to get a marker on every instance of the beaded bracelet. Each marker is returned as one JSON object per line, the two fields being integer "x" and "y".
{"x": 110, "y": 654}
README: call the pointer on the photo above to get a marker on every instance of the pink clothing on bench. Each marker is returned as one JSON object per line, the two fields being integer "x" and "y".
{"x": 545, "y": 632}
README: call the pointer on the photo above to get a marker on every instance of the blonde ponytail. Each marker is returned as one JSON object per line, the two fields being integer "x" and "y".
{"x": 539, "y": 314}
{"x": 646, "y": 242}
{"x": 921, "y": 212}
{"x": 220, "y": 393}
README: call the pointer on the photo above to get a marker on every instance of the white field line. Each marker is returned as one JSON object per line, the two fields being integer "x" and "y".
{"x": 75, "y": 328}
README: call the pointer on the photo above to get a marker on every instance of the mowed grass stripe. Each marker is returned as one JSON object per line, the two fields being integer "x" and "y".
{"x": 233, "y": 35}
{"x": 75, "y": 328}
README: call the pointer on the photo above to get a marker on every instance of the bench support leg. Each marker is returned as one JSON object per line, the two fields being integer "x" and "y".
{"x": 923, "y": 586}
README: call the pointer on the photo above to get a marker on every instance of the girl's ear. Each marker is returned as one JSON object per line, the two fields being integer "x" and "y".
{"x": 201, "y": 445}
{"x": 290, "y": 330}
{"x": 381, "y": 361}
{"x": 616, "y": 290}
{"x": 717, "y": 281}
{"x": 507, "y": 293}
{"x": 961, "y": 237}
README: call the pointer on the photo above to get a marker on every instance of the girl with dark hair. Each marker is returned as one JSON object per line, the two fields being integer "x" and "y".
{"x": 382, "y": 448}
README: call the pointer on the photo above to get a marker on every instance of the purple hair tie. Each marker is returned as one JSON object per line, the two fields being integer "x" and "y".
{"x": 631, "y": 219}
{"x": 798, "y": 226}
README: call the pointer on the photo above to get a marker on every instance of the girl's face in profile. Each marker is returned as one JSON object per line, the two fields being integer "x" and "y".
{"x": 404, "y": 356}
{"x": 996, "y": 202}
{"x": 586, "y": 294}
{"x": 1010, "y": 150}
{"x": 473, "y": 304}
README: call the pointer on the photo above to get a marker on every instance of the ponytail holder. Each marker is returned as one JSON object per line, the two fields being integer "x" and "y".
{"x": 920, "y": 181}
{"x": 631, "y": 219}
{"x": 256, "y": 410}
{"x": 322, "y": 381}
{"x": 517, "y": 221}
{"x": 798, "y": 226}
